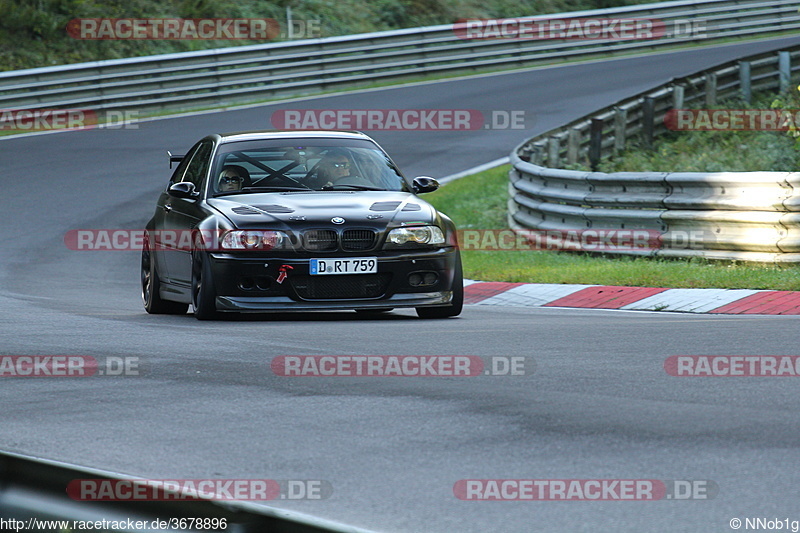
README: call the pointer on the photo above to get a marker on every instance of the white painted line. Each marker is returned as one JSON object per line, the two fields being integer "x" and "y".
{"x": 474, "y": 170}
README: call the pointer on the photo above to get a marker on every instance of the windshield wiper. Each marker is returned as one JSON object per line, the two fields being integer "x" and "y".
{"x": 274, "y": 188}
{"x": 246, "y": 190}
{"x": 356, "y": 187}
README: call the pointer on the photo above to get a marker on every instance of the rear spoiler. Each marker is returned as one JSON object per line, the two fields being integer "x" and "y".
{"x": 174, "y": 158}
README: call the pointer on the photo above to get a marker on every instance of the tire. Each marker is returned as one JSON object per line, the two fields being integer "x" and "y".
{"x": 456, "y": 305}
{"x": 151, "y": 287}
{"x": 204, "y": 296}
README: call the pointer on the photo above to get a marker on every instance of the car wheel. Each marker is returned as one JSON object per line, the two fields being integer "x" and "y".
{"x": 151, "y": 287}
{"x": 454, "y": 309}
{"x": 203, "y": 295}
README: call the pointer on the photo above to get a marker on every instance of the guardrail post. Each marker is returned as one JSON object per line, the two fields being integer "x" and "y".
{"x": 745, "y": 80}
{"x": 648, "y": 119}
{"x": 595, "y": 142}
{"x": 784, "y": 71}
{"x": 711, "y": 88}
{"x": 678, "y": 95}
{"x": 537, "y": 154}
{"x": 553, "y": 151}
{"x": 573, "y": 145}
{"x": 620, "y": 128}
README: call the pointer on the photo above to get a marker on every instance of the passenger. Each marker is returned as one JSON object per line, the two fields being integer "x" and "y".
{"x": 233, "y": 178}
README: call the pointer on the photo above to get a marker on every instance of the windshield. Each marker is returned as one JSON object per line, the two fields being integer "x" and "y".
{"x": 320, "y": 165}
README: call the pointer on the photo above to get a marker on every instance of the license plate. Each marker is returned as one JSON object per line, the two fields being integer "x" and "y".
{"x": 351, "y": 265}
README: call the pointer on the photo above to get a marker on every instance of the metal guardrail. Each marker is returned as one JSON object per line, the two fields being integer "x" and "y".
{"x": 749, "y": 216}
{"x": 34, "y": 491}
{"x": 227, "y": 76}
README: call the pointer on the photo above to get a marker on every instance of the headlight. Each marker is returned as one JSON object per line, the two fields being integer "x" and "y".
{"x": 416, "y": 235}
{"x": 255, "y": 240}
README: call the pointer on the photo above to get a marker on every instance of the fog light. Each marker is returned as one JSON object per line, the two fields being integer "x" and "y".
{"x": 423, "y": 279}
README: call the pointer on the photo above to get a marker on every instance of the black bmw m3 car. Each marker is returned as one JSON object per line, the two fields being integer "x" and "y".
{"x": 297, "y": 221}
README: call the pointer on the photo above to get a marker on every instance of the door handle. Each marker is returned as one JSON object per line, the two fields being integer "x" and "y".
{"x": 167, "y": 208}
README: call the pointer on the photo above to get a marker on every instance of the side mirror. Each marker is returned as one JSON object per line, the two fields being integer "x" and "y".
{"x": 424, "y": 184}
{"x": 183, "y": 189}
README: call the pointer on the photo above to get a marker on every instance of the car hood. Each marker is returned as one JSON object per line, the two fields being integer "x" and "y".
{"x": 301, "y": 210}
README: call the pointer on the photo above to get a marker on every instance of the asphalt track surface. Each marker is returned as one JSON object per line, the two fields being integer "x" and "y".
{"x": 598, "y": 406}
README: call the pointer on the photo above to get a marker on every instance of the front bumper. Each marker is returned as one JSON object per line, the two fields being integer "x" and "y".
{"x": 254, "y": 283}
{"x": 283, "y": 303}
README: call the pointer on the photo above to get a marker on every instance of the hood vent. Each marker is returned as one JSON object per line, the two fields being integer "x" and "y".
{"x": 245, "y": 210}
{"x": 384, "y": 206}
{"x": 261, "y": 209}
{"x": 412, "y": 207}
{"x": 274, "y": 208}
